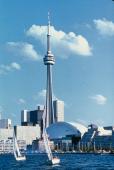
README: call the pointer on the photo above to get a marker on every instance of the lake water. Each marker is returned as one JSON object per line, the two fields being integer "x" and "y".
{"x": 68, "y": 162}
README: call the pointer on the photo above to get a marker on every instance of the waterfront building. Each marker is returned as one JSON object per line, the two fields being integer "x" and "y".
{"x": 5, "y": 123}
{"x": 6, "y": 133}
{"x": 89, "y": 135}
{"x": 58, "y": 106}
{"x": 103, "y": 138}
{"x": 27, "y": 133}
{"x": 6, "y": 145}
{"x": 97, "y": 137}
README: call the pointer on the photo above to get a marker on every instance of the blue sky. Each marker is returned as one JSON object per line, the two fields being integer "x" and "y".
{"x": 82, "y": 43}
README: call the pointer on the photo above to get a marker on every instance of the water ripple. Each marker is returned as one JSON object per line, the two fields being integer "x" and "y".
{"x": 68, "y": 162}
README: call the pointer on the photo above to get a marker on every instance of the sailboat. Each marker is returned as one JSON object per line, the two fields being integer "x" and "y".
{"x": 18, "y": 156}
{"x": 52, "y": 160}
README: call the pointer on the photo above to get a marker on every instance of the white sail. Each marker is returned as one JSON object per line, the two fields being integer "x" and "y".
{"x": 46, "y": 143}
{"x": 16, "y": 151}
{"x": 45, "y": 137}
{"x": 17, "y": 148}
{"x": 47, "y": 147}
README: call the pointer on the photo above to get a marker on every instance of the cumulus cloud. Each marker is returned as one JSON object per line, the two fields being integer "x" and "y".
{"x": 21, "y": 101}
{"x": 63, "y": 44}
{"x": 104, "y": 26}
{"x": 99, "y": 99}
{"x": 24, "y": 49}
{"x": 4, "y": 69}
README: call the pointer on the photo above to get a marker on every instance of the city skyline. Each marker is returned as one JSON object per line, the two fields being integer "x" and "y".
{"x": 82, "y": 43}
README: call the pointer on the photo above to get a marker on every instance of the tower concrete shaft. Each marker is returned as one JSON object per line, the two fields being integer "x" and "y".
{"x": 49, "y": 61}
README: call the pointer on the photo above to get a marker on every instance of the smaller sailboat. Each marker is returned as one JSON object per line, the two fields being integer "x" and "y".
{"x": 52, "y": 160}
{"x": 18, "y": 156}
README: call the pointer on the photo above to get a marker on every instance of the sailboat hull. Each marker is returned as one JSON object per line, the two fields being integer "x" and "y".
{"x": 55, "y": 161}
{"x": 21, "y": 158}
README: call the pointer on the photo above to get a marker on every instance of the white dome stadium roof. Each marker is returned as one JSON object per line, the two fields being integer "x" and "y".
{"x": 62, "y": 129}
{"x": 82, "y": 128}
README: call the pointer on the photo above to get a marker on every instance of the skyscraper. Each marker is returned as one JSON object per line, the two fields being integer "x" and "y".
{"x": 49, "y": 60}
{"x": 32, "y": 117}
{"x": 58, "y": 110}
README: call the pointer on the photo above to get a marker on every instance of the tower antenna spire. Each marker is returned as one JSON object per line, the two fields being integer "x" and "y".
{"x": 49, "y": 18}
{"x": 48, "y": 35}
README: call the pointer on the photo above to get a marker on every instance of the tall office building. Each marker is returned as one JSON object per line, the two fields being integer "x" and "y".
{"x": 25, "y": 118}
{"x": 58, "y": 110}
{"x": 49, "y": 60}
{"x": 32, "y": 117}
{"x": 5, "y": 123}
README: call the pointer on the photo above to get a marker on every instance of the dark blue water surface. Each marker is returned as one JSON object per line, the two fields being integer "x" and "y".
{"x": 68, "y": 162}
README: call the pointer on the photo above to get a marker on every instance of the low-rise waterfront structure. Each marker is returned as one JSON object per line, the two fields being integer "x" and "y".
{"x": 6, "y": 146}
{"x": 27, "y": 133}
{"x": 98, "y": 138}
{"x": 6, "y": 133}
{"x": 24, "y": 134}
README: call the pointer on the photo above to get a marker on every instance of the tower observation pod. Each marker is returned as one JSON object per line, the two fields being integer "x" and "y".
{"x": 49, "y": 60}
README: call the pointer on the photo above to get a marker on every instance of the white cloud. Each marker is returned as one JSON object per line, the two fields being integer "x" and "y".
{"x": 21, "y": 101}
{"x": 24, "y": 49}
{"x": 42, "y": 93}
{"x": 15, "y": 66}
{"x": 99, "y": 99}
{"x": 104, "y": 26}
{"x": 4, "y": 69}
{"x": 63, "y": 44}
{"x": 41, "y": 96}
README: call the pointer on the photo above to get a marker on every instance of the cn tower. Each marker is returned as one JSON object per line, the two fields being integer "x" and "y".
{"x": 49, "y": 61}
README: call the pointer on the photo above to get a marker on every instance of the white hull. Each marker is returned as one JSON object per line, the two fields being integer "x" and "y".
{"x": 21, "y": 158}
{"x": 55, "y": 161}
